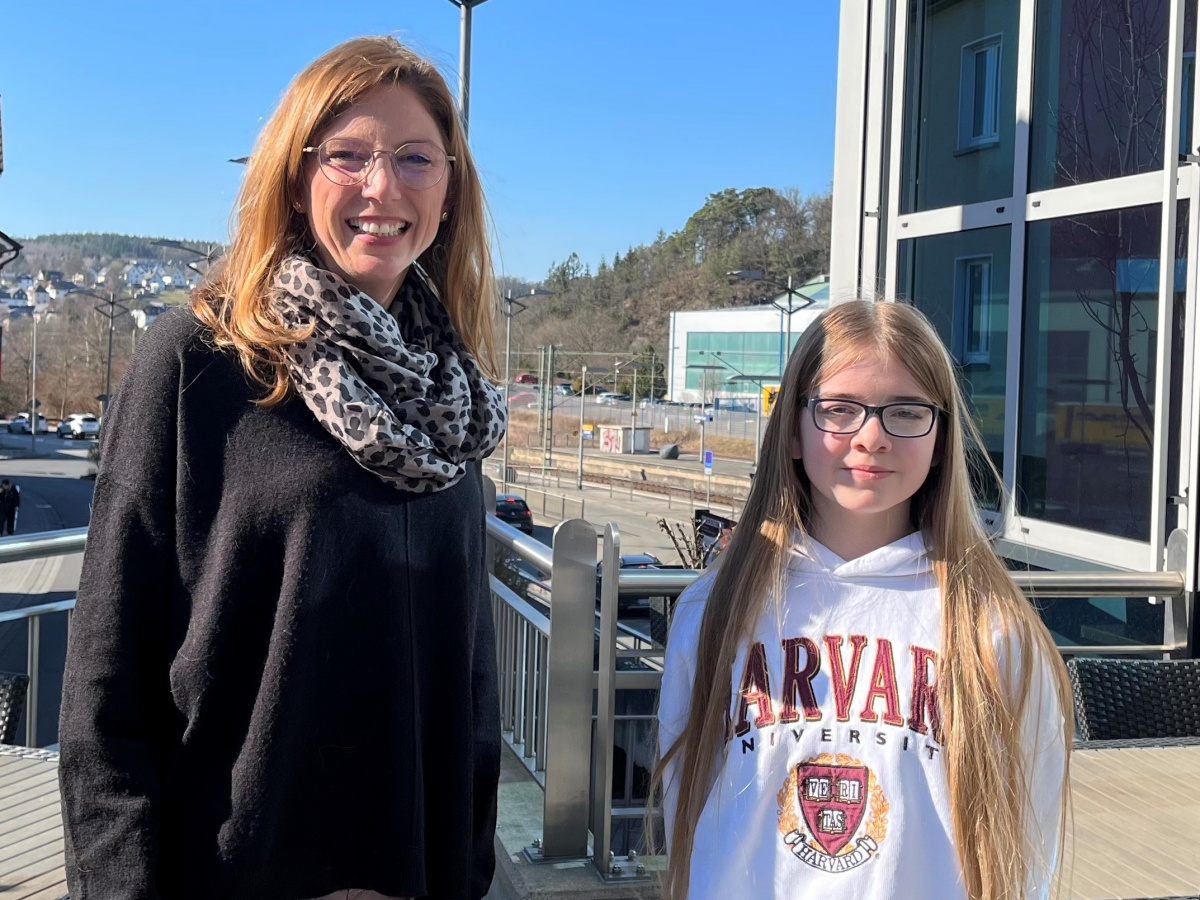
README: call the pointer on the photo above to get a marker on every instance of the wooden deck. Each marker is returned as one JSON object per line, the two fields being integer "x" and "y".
{"x": 1136, "y": 825}
{"x": 31, "y": 836}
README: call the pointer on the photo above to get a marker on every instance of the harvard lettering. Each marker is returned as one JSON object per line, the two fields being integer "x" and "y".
{"x": 881, "y": 688}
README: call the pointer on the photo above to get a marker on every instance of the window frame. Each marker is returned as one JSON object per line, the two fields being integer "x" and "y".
{"x": 968, "y": 355}
{"x": 968, "y": 141}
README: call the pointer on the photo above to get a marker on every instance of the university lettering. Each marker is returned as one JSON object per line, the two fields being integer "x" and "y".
{"x": 875, "y": 698}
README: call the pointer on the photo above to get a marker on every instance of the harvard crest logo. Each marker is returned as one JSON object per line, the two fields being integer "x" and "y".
{"x": 832, "y": 812}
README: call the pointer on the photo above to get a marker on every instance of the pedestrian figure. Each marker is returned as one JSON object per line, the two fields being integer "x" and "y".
{"x": 10, "y": 499}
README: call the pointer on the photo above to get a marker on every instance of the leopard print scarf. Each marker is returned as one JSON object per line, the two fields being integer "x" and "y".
{"x": 400, "y": 392}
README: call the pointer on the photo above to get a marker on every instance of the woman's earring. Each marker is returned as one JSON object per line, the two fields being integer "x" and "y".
{"x": 445, "y": 215}
{"x": 296, "y": 206}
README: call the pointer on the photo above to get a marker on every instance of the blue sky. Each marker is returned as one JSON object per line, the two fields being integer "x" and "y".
{"x": 594, "y": 124}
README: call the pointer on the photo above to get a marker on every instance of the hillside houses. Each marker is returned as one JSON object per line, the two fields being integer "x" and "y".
{"x": 155, "y": 277}
{"x": 138, "y": 277}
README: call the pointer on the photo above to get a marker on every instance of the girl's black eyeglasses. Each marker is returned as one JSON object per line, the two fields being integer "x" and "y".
{"x": 907, "y": 419}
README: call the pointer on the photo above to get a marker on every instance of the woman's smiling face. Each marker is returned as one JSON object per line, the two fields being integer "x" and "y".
{"x": 370, "y": 233}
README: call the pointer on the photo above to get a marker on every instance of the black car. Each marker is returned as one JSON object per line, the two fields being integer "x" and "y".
{"x": 630, "y": 561}
{"x": 512, "y": 509}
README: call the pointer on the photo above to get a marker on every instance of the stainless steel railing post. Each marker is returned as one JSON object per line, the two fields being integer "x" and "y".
{"x": 32, "y": 668}
{"x": 569, "y": 685}
{"x": 602, "y": 741}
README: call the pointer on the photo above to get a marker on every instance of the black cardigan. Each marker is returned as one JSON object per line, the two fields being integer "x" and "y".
{"x": 281, "y": 677}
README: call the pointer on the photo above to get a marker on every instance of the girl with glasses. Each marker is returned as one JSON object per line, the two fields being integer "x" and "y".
{"x": 858, "y": 702}
{"x": 281, "y": 680}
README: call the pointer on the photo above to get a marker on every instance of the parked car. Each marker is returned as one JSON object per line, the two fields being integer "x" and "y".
{"x": 526, "y": 378}
{"x": 737, "y": 407}
{"x": 512, "y": 509}
{"x": 608, "y": 398}
{"x": 567, "y": 390}
{"x": 79, "y": 425}
{"x": 630, "y": 561}
{"x": 19, "y": 424}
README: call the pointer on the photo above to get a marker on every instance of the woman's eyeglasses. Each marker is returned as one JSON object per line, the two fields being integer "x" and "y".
{"x": 903, "y": 420}
{"x": 346, "y": 161}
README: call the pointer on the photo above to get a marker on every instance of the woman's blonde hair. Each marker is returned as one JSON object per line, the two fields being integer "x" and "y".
{"x": 980, "y": 716}
{"x": 235, "y": 301}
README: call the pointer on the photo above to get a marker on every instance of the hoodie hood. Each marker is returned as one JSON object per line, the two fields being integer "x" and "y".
{"x": 901, "y": 559}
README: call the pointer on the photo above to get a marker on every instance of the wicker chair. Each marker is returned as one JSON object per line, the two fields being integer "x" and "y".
{"x": 12, "y": 702}
{"x": 1124, "y": 699}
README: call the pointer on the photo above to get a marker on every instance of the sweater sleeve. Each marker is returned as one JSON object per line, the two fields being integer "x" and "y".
{"x": 1044, "y": 762}
{"x": 116, "y": 722}
{"x": 675, "y": 696}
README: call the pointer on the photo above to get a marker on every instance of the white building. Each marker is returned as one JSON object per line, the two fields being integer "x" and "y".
{"x": 734, "y": 352}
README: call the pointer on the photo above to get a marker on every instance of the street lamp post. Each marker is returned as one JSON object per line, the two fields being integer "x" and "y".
{"x": 583, "y": 373}
{"x": 111, "y": 310}
{"x": 33, "y": 403}
{"x": 582, "y": 396}
{"x": 208, "y": 255}
{"x": 756, "y": 380}
{"x": 703, "y": 417}
{"x": 512, "y": 307}
{"x": 464, "y": 58}
{"x": 792, "y": 294}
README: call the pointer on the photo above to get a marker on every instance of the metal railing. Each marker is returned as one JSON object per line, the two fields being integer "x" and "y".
{"x": 32, "y": 616}
{"x": 1168, "y": 587}
{"x": 19, "y": 549}
{"x": 559, "y": 714}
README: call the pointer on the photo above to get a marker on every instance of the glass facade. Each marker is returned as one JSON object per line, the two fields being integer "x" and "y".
{"x": 729, "y": 354}
{"x": 1021, "y": 146}
{"x": 961, "y": 85}
{"x": 960, "y": 281}
{"x": 1088, "y": 368}
{"x": 1099, "y": 86}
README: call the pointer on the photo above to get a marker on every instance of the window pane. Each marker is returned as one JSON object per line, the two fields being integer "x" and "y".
{"x": 960, "y": 281}
{"x": 1099, "y": 86}
{"x": 979, "y": 117}
{"x": 961, "y": 85}
{"x": 1088, "y": 369}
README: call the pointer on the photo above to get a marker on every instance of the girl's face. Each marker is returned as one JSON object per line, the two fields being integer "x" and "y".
{"x": 863, "y": 483}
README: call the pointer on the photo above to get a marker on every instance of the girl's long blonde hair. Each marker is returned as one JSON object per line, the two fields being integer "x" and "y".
{"x": 980, "y": 718}
{"x": 235, "y": 301}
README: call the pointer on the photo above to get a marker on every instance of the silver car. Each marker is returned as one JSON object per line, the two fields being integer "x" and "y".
{"x": 19, "y": 424}
{"x": 79, "y": 425}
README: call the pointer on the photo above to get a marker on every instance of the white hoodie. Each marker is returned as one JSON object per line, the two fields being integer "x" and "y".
{"x": 834, "y": 784}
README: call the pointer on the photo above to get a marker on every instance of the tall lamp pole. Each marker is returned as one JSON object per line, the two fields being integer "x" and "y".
{"x": 512, "y": 307}
{"x": 208, "y": 255}
{"x": 583, "y": 373}
{"x": 785, "y": 350}
{"x": 111, "y": 309}
{"x": 464, "y": 58}
{"x": 758, "y": 380}
{"x": 582, "y": 397}
{"x": 33, "y": 403}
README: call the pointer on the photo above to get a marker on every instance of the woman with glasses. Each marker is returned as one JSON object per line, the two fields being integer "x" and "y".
{"x": 859, "y": 702}
{"x": 281, "y": 676}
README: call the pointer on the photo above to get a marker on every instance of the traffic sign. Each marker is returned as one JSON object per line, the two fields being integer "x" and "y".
{"x": 708, "y": 462}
